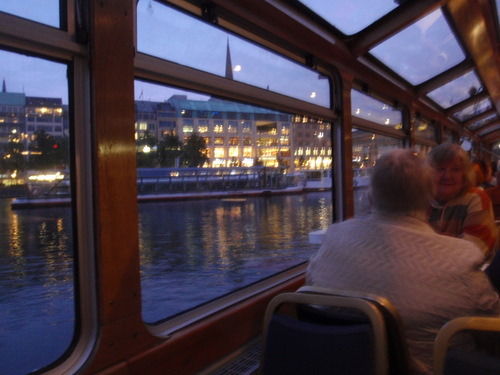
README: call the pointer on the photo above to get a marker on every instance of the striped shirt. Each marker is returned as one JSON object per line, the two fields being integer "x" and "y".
{"x": 468, "y": 216}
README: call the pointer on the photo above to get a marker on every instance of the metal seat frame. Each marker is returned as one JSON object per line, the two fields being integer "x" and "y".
{"x": 466, "y": 323}
{"x": 371, "y": 305}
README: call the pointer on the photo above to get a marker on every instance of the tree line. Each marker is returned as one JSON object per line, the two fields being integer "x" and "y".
{"x": 46, "y": 152}
{"x": 171, "y": 151}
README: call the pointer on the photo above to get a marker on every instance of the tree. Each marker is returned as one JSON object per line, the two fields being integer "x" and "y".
{"x": 169, "y": 149}
{"x": 48, "y": 152}
{"x": 13, "y": 159}
{"x": 146, "y": 156}
{"x": 194, "y": 152}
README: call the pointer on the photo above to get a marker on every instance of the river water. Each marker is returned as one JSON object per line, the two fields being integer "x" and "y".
{"x": 191, "y": 252}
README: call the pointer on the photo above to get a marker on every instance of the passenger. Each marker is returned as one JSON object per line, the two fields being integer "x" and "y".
{"x": 394, "y": 253}
{"x": 460, "y": 209}
{"x": 483, "y": 173}
{"x": 494, "y": 194}
{"x": 479, "y": 176}
{"x": 489, "y": 180}
{"x": 494, "y": 173}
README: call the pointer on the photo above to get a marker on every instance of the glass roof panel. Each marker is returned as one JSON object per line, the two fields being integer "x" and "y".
{"x": 457, "y": 90}
{"x": 431, "y": 37}
{"x": 43, "y": 11}
{"x": 498, "y": 9}
{"x": 376, "y": 111}
{"x": 350, "y": 16}
{"x": 473, "y": 110}
{"x": 483, "y": 122}
{"x": 203, "y": 46}
{"x": 489, "y": 130}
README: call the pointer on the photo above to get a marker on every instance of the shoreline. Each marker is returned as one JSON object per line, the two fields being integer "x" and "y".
{"x": 23, "y": 202}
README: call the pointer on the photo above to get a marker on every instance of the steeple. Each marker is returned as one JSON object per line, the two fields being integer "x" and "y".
{"x": 229, "y": 65}
{"x": 4, "y": 85}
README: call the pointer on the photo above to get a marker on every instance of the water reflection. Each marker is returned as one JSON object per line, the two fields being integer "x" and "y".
{"x": 192, "y": 252}
{"x": 36, "y": 287}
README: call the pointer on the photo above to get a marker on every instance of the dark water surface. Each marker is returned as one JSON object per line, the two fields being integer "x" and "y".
{"x": 212, "y": 247}
{"x": 191, "y": 252}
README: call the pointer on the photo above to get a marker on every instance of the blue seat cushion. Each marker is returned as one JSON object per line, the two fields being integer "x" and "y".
{"x": 463, "y": 362}
{"x": 296, "y": 347}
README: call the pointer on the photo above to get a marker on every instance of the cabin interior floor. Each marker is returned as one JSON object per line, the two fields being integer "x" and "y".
{"x": 244, "y": 361}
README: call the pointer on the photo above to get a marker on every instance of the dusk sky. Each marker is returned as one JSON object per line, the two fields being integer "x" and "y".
{"x": 201, "y": 47}
{"x": 166, "y": 33}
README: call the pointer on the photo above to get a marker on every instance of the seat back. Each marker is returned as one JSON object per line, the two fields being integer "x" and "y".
{"x": 459, "y": 361}
{"x": 297, "y": 347}
{"x": 350, "y": 337}
{"x": 398, "y": 356}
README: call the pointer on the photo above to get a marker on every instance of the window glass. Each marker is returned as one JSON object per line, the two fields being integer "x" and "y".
{"x": 352, "y": 16}
{"x": 448, "y": 136}
{"x": 423, "y": 150}
{"x": 36, "y": 240}
{"x": 496, "y": 149}
{"x": 424, "y": 130}
{"x": 480, "y": 123}
{"x": 457, "y": 90}
{"x": 43, "y": 11}
{"x": 473, "y": 110}
{"x": 489, "y": 130}
{"x": 374, "y": 110}
{"x": 367, "y": 147}
{"x": 202, "y": 46}
{"x": 497, "y": 3}
{"x": 193, "y": 251}
{"x": 430, "y": 37}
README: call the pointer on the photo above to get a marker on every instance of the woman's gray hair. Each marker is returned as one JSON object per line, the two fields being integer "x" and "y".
{"x": 447, "y": 152}
{"x": 401, "y": 183}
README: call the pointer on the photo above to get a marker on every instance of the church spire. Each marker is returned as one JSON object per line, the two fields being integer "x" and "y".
{"x": 229, "y": 65}
{"x": 4, "y": 85}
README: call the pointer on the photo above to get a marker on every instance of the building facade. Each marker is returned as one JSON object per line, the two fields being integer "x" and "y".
{"x": 235, "y": 134}
{"x": 240, "y": 135}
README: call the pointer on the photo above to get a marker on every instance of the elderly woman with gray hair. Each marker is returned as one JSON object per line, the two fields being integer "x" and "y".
{"x": 459, "y": 208}
{"x": 394, "y": 253}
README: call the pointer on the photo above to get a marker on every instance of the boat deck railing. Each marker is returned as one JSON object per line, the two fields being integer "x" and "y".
{"x": 170, "y": 180}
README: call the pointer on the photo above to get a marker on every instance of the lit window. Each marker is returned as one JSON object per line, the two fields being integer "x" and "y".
{"x": 233, "y": 152}
{"x": 219, "y": 152}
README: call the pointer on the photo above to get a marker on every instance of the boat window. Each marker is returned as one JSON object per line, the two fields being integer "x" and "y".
{"x": 424, "y": 130}
{"x": 496, "y": 148}
{"x": 497, "y": 3}
{"x": 221, "y": 212}
{"x": 448, "y": 135}
{"x": 457, "y": 90}
{"x": 368, "y": 108}
{"x": 353, "y": 16}
{"x": 367, "y": 147}
{"x": 422, "y": 150}
{"x": 205, "y": 47}
{"x": 36, "y": 241}
{"x": 43, "y": 11}
{"x": 431, "y": 37}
